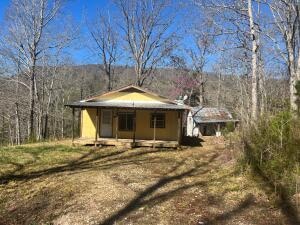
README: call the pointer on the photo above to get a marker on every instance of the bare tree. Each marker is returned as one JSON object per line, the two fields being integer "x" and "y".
{"x": 105, "y": 36}
{"x": 28, "y": 21}
{"x": 199, "y": 58}
{"x": 146, "y": 29}
{"x": 236, "y": 28}
{"x": 287, "y": 21}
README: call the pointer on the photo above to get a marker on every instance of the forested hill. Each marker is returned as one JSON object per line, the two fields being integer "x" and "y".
{"x": 219, "y": 90}
{"x": 91, "y": 79}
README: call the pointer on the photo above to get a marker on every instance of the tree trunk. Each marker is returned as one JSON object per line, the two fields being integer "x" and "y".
{"x": 201, "y": 90}
{"x": 45, "y": 136}
{"x": 39, "y": 123}
{"x": 293, "y": 73}
{"x": 17, "y": 114}
{"x": 3, "y": 130}
{"x": 219, "y": 90}
{"x": 109, "y": 85}
{"x": 62, "y": 125}
{"x": 293, "y": 97}
{"x": 261, "y": 75}
{"x": 261, "y": 85}
{"x": 11, "y": 136}
{"x": 32, "y": 100}
{"x": 254, "y": 62}
{"x": 298, "y": 63}
{"x": 63, "y": 118}
{"x": 138, "y": 71}
{"x": 18, "y": 130}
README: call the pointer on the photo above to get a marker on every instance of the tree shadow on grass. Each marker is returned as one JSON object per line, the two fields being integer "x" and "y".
{"x": 40, "y": 207}
{"x": 192, "y": 141}
{"x": 242, "y": 206}
{"x": 15, "y": 175}
{"x": 89, "y": 160}
{"x": 36, "y": 208}
{"x": 141, "y": 199}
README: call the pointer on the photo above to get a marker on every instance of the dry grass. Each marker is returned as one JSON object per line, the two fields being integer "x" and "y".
{"x": 54, "y": 183}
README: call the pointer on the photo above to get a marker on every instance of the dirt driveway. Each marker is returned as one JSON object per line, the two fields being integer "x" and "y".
{"x": 195, "y": 185}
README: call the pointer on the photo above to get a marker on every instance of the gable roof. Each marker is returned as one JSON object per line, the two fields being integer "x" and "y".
{"x": 211, "y": 115}
{"x": 129, "y": 89}
{"x": 129, "y": 97}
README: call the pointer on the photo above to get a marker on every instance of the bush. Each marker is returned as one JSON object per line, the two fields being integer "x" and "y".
{"x": 229, "y": 127}
{"x": 272, "y": 148}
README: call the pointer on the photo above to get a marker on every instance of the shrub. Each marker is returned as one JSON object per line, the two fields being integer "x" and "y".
{"x": 229, "y": 127}
{"x": 272, "y": 148}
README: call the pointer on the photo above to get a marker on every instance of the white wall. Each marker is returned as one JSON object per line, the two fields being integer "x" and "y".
{"x": 191, "y": 130}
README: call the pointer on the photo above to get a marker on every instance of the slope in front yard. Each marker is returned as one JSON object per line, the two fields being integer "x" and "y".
{"x": 59, "y": 184}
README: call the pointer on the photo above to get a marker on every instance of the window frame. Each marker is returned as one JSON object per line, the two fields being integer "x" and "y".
{"x": 126, "y": 116}
{"x": 160, "y": 120}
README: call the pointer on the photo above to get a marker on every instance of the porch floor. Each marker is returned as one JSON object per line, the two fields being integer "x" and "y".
{"x": 126, "y": 142}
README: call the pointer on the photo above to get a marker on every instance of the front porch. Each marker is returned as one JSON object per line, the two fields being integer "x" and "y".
{"x": 129, "y": 127}
{"x": 129, "y": 143}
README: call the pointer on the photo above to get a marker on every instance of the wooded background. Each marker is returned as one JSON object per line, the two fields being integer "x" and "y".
{"x": 242, "y": 55}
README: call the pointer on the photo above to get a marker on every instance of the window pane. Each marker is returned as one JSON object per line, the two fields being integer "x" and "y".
{"x": 160, "y": 120}
{"x": 122, "y": 122}
{"x": 129, "y": 121}
{"x": 126, "y": 121}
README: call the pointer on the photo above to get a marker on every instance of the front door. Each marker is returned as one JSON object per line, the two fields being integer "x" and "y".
{"x": 106, "y": 123}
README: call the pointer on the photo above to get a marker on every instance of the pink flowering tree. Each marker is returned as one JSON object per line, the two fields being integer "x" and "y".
{"x": 184, "y": 84}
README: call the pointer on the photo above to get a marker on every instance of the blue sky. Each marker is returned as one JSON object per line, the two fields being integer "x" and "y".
{"x": 75, "y": 8}
{"x": 3, "y": 5}
{"x": 78, "y": 8}
{"x": 185, "y": 14}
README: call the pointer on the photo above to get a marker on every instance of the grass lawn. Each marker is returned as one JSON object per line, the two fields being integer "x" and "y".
{"x": 54, "y": 183}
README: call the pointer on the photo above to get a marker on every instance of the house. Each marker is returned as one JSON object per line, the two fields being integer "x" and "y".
{"x": 130, "y": 116}
{"x": 207, "y": 121}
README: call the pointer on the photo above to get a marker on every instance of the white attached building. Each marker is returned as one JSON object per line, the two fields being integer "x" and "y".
{"x": 207, "y": 121}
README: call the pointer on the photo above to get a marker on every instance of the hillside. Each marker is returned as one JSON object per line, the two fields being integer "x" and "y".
{"x": 228, "y": 88}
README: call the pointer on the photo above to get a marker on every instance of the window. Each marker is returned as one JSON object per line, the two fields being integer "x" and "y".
{"x": 160, "y": 120}
{"x": 126, "y": 121}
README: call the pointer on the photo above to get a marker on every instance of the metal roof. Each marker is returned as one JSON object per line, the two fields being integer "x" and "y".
{"x": 127, "y": 105}
{"x": 93, "y": 102}
{"x": 211, "y": 115}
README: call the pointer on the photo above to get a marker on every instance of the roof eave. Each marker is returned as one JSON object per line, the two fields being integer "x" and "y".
{"x": 82, "y": 105}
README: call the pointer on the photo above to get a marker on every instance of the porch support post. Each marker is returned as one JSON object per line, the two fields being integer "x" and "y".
{"x": 218, "y": 128}
{"x": 154, "y": 130}
{"x": 73, "y": 115}
{"x": 134, "y": 127}
{"x": 97, "y": 126}
{"x": 179, "y": 124}
{"x": 99, "y": 122}
{"x": 117, "y": 124}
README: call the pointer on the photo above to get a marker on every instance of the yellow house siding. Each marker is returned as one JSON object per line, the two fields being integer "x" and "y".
{"x": 88, "y": 122}
{"x": 130, "y": 96}
{"x": 143, "y": 130}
